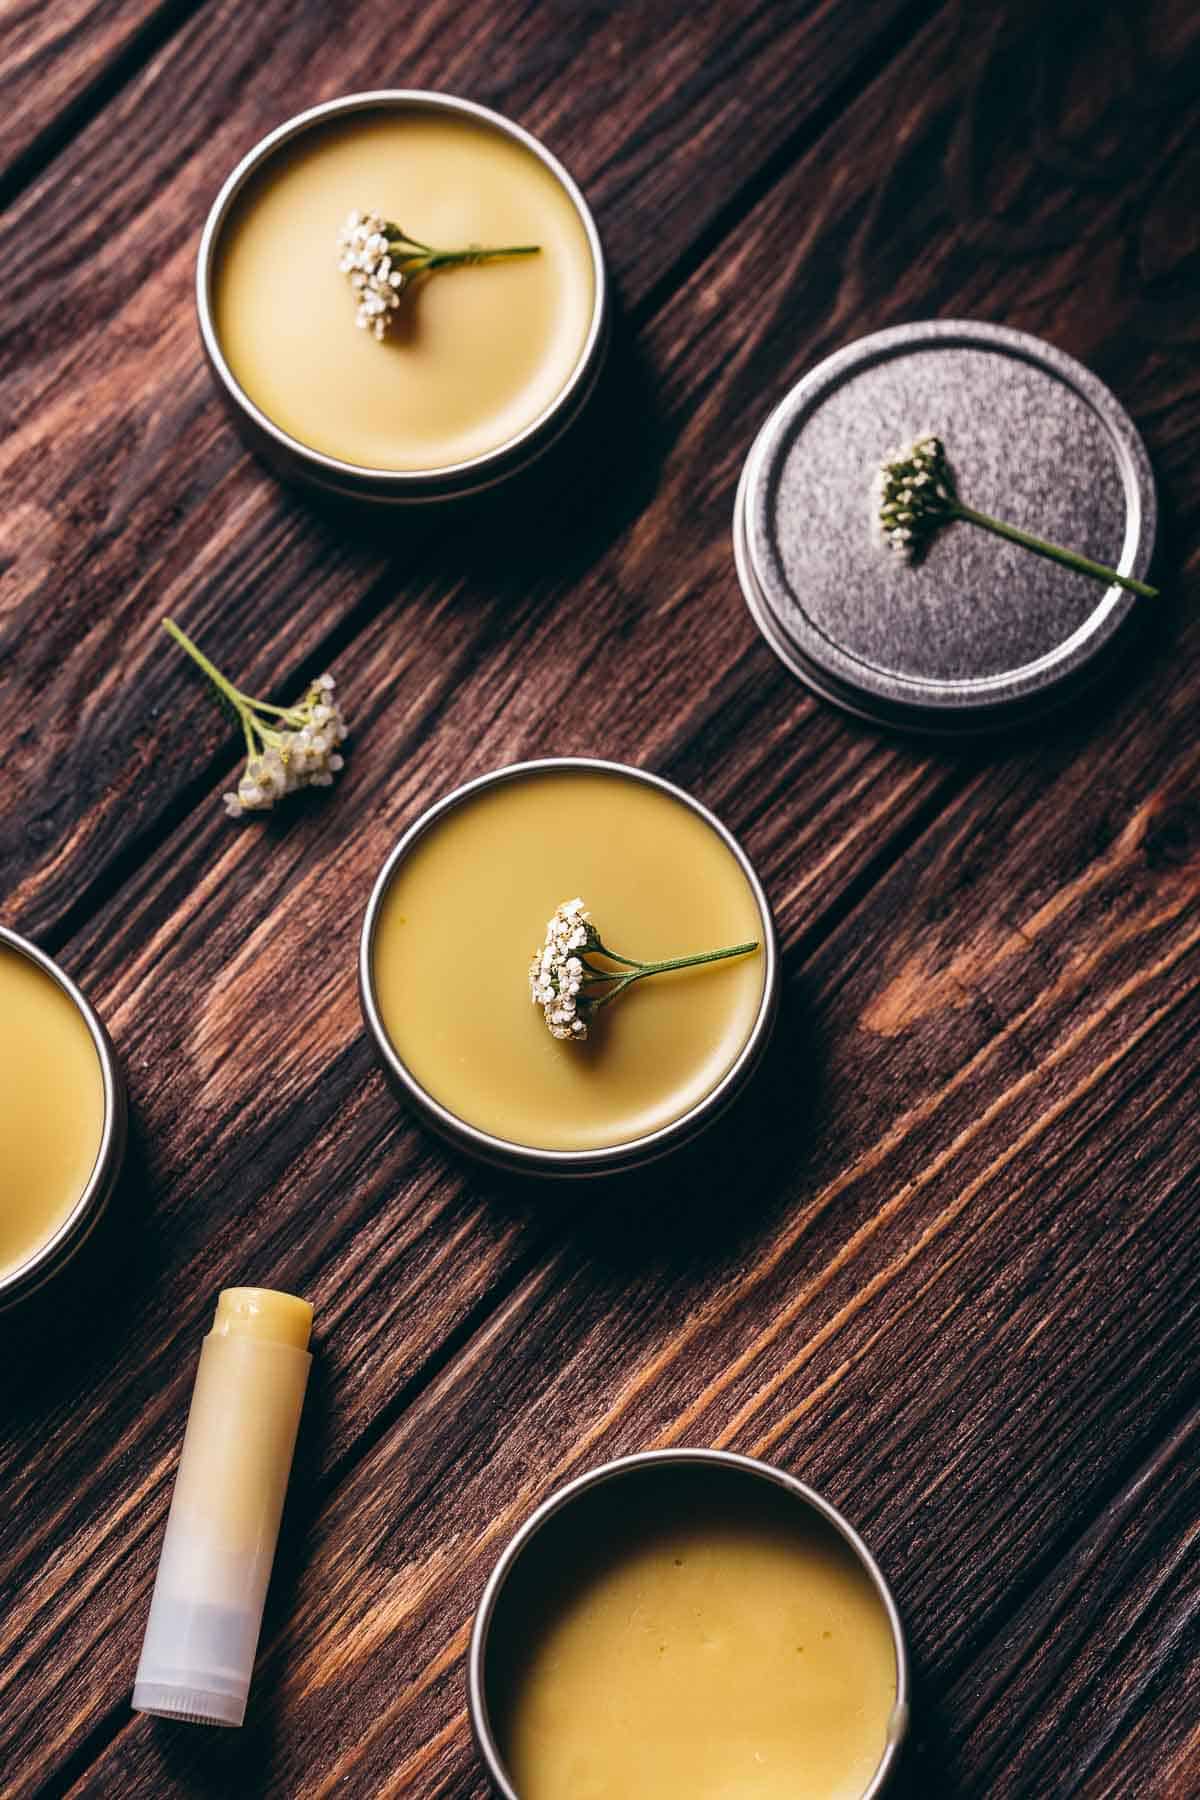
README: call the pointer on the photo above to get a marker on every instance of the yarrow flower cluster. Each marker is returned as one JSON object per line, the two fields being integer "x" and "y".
{"x": 364, "y": 256}
{"x": 380, "y": 259}
{"x": 304, "y": 754}
{"x": 915, "y": 495}
{"x": 287, "y": 747}
{"x": 570, "y": 989}
{"x": 557, "y": 973}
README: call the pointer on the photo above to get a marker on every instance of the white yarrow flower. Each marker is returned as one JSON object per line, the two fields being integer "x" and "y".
{"x": 914, "y": 494}
{"x": 560, "y": 974}
{"x": 363, "y": 257}
{"x": 556, "y": 972}
{"x": 378, "y": 259}
{"x": 288, "y": 747}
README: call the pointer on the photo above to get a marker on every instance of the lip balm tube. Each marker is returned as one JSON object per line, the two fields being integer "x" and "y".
{"x": 207, "y": 1607}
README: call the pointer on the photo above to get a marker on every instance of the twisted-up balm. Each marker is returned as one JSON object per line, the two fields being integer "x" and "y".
{"x": 205, "y": 1615}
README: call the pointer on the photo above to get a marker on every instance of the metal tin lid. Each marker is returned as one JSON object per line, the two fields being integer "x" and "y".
{"x": 980, "y": 633}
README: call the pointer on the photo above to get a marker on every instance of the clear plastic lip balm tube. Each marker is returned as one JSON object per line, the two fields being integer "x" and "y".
{"x": 202, "y": 1633}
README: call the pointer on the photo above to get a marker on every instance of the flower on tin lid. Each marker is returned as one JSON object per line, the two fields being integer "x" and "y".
{"x": 915, "y": 495}
{"x": 915, "y": 492}
{"x": 287, "y": 747}
{"x": 571, "y": 989}
{"x": 379, "y": 260}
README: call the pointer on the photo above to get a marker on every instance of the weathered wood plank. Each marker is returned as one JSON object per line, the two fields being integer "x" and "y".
{"x": 57, "y": 61}
{"x": 1107, "y": 1644}
{"x": 992, "y": 1174}
{"x": 364, "y": 1678}
{"x": 128, "y": 493}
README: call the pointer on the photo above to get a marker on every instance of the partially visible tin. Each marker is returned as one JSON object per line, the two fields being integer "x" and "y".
{"x": 61, "y": 1246}
{"x": 296, "y": 461}
{"x": 526, "y": 1158}
{"x": 628, "y": 1468}
{"x": 981, "y": 634}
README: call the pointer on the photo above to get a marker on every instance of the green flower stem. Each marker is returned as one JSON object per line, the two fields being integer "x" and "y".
{"x": 640, "y": 970}
{"x": 235, "y": 697}
{"x": 415, "y": 257}
{"x": 1071, "y": 559}
{"x": 243, "y": 705}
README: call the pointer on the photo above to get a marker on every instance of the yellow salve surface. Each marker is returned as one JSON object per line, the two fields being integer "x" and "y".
{"x": 690, "y": 1635}
{"x": 468, "y": 907}
{"x": 51, "y": 1107}
{"x": 474, "y": 355}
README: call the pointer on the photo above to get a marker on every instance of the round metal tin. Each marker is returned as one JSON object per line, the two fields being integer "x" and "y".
{"x": 526, "y": 1158}
{"x": 981, "y": 633}
{"x": 629, "y": 1467}
{"x": 296, "y": 461}
{"x": 62, "y": 1245}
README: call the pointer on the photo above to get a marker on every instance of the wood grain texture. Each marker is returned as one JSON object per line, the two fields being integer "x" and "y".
{"x": 129, "y": 495}
{"x": 1113, "y": 1623}
{"x": 943, "y": 1262}
{"x": 362, "y": 1686}
{"x": 59, "y": 63}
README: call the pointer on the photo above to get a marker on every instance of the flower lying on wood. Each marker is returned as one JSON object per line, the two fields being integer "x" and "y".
{"x": 379, "y": 260}
{"x": 287, "y": 747}
{"x": 569, "y": 987}
{"x": 916, "y": 495}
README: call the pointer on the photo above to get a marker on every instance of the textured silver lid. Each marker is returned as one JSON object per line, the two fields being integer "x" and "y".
{"x": 981, "y": 632}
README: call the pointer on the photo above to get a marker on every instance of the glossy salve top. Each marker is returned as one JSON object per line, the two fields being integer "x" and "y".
{"x": 475, "y": 357}
{"x": 52, "y": 1107}
{"x": 467, "y": 904}
{"x": 688, "y": 1624}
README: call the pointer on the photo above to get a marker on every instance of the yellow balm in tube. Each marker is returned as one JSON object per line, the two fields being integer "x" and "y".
{"x": 207, "y": 1607}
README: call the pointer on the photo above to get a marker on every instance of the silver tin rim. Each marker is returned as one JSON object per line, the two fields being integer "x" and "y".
{"x": 401, "y": 486}
{"x": 477, "y": 1703}
{"x": 953, "y": 709}
{"x": 527, "y": 1158}
{"x": 85, "y": 1214}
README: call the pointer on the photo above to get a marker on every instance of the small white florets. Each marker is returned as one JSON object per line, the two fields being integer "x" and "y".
{"x": 302, "y": 754}
{"x": 914, "y": 494}
{"x": 557, "y": 974}
{"x": 364, "y": 257}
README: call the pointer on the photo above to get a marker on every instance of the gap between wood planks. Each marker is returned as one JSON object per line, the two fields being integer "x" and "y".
{"x": 104, "y": 86}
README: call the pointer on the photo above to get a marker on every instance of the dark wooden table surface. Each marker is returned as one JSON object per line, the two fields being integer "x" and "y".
{"x": 944, "y": 1263}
